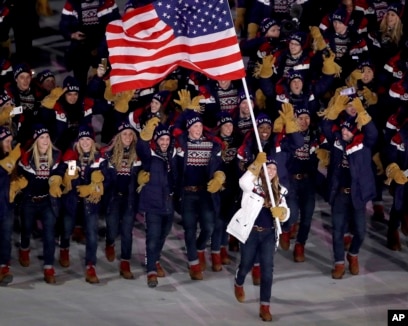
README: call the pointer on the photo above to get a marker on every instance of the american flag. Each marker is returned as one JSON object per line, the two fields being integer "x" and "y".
{"x": 150, "y": 41}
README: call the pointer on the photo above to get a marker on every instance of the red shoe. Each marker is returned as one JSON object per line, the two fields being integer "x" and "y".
{"x": 64, "y": 257}
{"x": 264, "y": 313}
{"x": 49, "y": 275}
{"x": 256, "y": 275}
{"x": 201, "y": 259}
{"x": 124, "y": 269}
{"x": 160, "y": 270}
{"x": 224, "y": 256}
{"x": 152, "y": 281}
{"x": 195, "y": 272}
{"x": 353, "y": 264}
{"x": 299, "y": 253}
{"x": 338, "y": 271}
{"x": 5, "y": 276}
{"x": 284, "y": 240}
{"x": 24, "y": 257}
{"x": 216, "y": 262}
{"x": 239, "y": 293}
{"x": 90, "y": 275}
{"x": 110, "y": 252}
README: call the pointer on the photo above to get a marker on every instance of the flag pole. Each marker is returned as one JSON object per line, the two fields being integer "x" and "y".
{"x": 258, "y": 141}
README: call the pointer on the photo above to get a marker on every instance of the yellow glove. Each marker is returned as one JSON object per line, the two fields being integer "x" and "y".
{"x": 378, "y": 164}
{"x": 260, "y": 99}
{"x": 147, "y": 133}
{"x": 393, "y": 172}
{"x": 122, "y": 101}
{"x": 55, "y": 182}
{"x": 370, "y": 97}
{"x": 142, "y": 178}
{"x": 5, "y": 116}
{"x": 215, "y": 184}
{"x": 67, "y": 180}
{"x": 84, "y": 190}
{"x": 362, "y": 115}
{"x": 184, "y": 98}
{"x": 195, "y": 104}
{"x": 9, "y": 162}
{"x": 329, "y": 66}
{"x": 319, "y": 43}
{"x": 97, "y": 176}
{"x": 351, "y": 80}
{"x": 252, "y": 30}
{"x": 265, "y": 69}
{"x": 281, "y": 213}
{"x": 239, "y": 21}
{"x": 94, "y": 191}
{"x": 256, "y": 165}
{"x": 169, "y": 85}
{"x": 323, "y": 155}
{"x": 278, "y": 125}
{"x": 43, "y": 8}
{"x": 332, "y": 112}
{"x": 50, "y": 100}
{"x": 288, "y": 116}
{"x": 108, "y": 95}
{"x": 16, "y": 185}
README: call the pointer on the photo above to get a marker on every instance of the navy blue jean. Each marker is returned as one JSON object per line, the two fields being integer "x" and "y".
{"x": 261, "y": 244}
{"x": 342, "y": 213}
{"x": 301, "y": 201}
{"x": 29, "y": 211}
{"x": 158, "y": 227}
{"x": 197, "y": 207}
{"x": 6, "y": 230}
{"x": 219, "y": 236}
{"x": 120, "y": 217}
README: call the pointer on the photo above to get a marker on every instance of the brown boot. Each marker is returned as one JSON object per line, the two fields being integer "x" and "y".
{"x": 64, "y": 257}
{"x": 124, "y": 270}
{"x": 49, "y": 275}
{"x": 239, "y": 292}
{"x": 201, "y": 259}
{"x": 224, "y": 256}
{"x": 216, "y": 262}
{"x": 160, "y": 270}
{"x": 393, "y": 240}
{"x": 353, "y": 264}
{"x": 294, "y": 230}
{"x": 5, "y": 276}
{"x": 256, "y": 275}
{"x": 152, "y": 281}
{"x": 195, "y": 272}
{"x": 299, "y": 253}
{"x": 24, "y": 257}
{"x": 284, "y": 240}
{"x": 110, "y": 252}
{"x": 338, "y": 271}
{"x": 264, "y": 313}
{"x": 347, "y": 241}
{"x": 90, "y": 275}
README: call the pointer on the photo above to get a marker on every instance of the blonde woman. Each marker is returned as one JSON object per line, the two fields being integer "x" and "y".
{"x": 40, "y": 166}
{"x": 121, "y": 196}
{"x": 83, "y": 182}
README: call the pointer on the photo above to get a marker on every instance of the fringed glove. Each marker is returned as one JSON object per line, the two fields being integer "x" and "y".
{"x": 332, "y": 112}
{"x": 122, "y": 100}
{"x": 264, "y": 69}
{"x": 9, "y": 162}
{"x": 147, "y": 132}
{"x": 50, "y": 100}
{"x": 329, "y": 66}
{"x": 239, "y": 21}
{"x": 281, "y": 213}
{"x": 55, "y": 183}
{"x": 215, "y": 184}
{"x": 142, "y": 178}
{"x": 362, "y": 115}
{"x": 288, "y": 117}
{"x": 16, "y": 185}
{"x": 5, "y": 116}
{"x": 378, "y": 164}
{"x": 169, "y": 85}
{"x": 393, "y": 172}
{"x": 108, "y": 95}
{"x": 94, "y": 191}
{"x": 256, "y": 166}
{"x": 260, "y": 99}
{"x": 370, "y": 97}
{"x": 319, "y": 43}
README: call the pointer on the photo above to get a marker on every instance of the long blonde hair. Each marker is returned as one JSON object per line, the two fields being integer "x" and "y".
{"x": 118, "y": 150}
{"x": 395, "y": 34}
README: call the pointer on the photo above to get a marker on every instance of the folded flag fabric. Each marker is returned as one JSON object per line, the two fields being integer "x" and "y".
{"x": 151, "y": 41}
